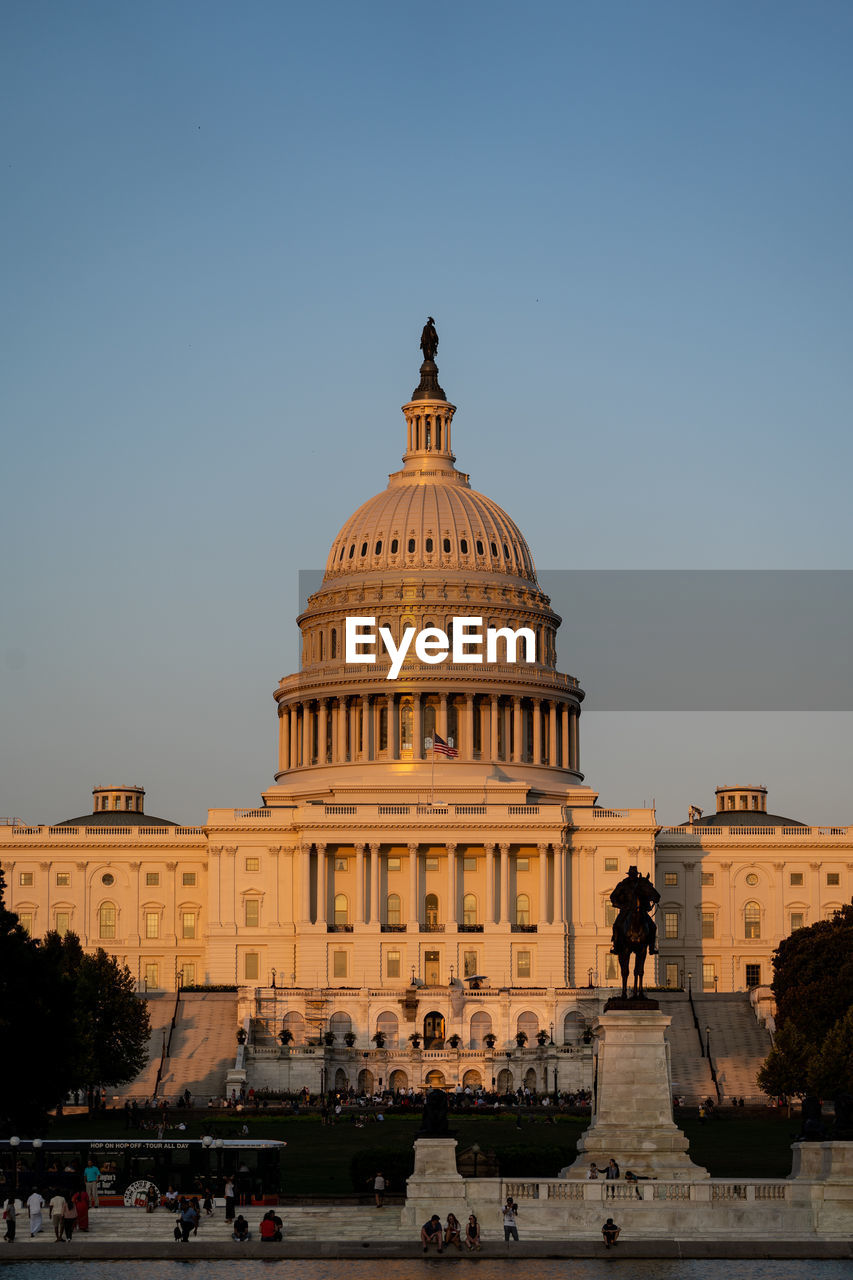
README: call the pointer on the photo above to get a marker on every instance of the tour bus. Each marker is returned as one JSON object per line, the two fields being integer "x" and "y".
{"x": 129, "y": 1165}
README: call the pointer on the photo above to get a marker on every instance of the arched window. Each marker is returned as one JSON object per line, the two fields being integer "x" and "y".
{"x": 431, "y": 911}
{"x": 395, "y": 546}
{"x": 334, "y": 642}
{"x": 529, "y": 1024}
{"x": 469, "y": 909}
{"x": 452, "y": 722}
{"x": 383, "y": 728}
{"x": 752, "y": 920}
{"x": 341, "y": 909}
{"x": 522, "y": 909}
{"x": 392, "y": 909}
{"x": 388, "y": 1026}
{"x": 481, "y": 1025}
{"x": 321, "y": 646}
{"x": 573, "y": 1027}
{"x": 429, "y": 720}
{"x": 406, "y": 734}
{"x": 295, "y": 1024}
{"x": 340, "y": 1025}
{"x": 106, "y": 920}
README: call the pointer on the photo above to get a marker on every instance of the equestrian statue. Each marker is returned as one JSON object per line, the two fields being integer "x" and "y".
{"x": 634, "y": 930}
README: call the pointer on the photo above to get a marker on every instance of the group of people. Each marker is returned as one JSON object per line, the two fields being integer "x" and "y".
{"x": 68, "y": 1211}
{"x": 433, "y": 1234}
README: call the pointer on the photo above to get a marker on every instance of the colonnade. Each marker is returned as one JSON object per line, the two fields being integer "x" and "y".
{"x": 372, "y": 726}
{"x": 371, "y": 885}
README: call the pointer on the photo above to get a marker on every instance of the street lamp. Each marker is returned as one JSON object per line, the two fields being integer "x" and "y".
{"x": 551, "y": 1033}
{"x": 475, "y": 1152}
{"x": 708, "y": 1043}
{"x": 273, "y": 979}
{"x": 589, "y": 972}
{"x": 689, "y": 986}
{"x": 14, "y": 1143}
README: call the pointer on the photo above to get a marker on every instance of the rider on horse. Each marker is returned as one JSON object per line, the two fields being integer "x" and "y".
{"x": 635, "y": 892}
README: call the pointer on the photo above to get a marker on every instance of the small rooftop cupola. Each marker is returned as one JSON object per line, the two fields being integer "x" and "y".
{"x": 743, "y": 798}
{"x": 428, "y": 414}
{"x": 125, "y": 799}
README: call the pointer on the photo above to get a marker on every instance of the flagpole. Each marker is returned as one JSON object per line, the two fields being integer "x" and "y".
{"x": 432, "y": 797}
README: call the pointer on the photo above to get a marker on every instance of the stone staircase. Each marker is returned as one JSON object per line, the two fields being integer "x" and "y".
{"x": 739, "y": 1044}
{"x": 203, "y": 1045}
{"x": 691, "y": 1074}
{"x": 160, "y": 1010}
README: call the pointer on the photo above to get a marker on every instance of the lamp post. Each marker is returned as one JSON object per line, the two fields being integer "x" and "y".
{"x": 708, "y": 1043}
{"x": 551, "y": 1040}
{"x": 589, "y": 973}
{"x": 14, "y": 1143}
{"x": 475, "y": 1152}
{"x": 690, "y": 986}
{"x": 207, "y": 1143}
{"x": 273, "y": 979}
{"x": 219, "y": 1144}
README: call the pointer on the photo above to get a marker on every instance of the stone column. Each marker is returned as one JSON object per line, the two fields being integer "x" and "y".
{"x": 559, "y": 884}
{"x": 322, "y": 883}
{"x": 564, "y": 715}
{"x": 489, "y": 851}
{"x": 283, "y": 738}
{"x": 374, "y": 884}
{"x": 451, "y": 884}
{"x": 306, "y": 734}
{"x": 417, "y": 727}
{"x": 305, "y": 884}
{"x": 366, "y": 735}
{"x": 413, "y": 910}
{"x": 274, "y": 852}
{"x": 576, "y": 740}
{"x": 517, "y": 731}
{"x": 552, "y": 733}
{"x": 504, "y": 916}
{"x": 354, "y": 729}
{"x": 322, "y": 730}
{"x": 537, "y": 730}
{"x": 493, "y": 727}
{"x": 294, "y": 740}
{"x": 467, "y": 752}
{"x": 359, "y": 884}
{"x": 543, "y": 884}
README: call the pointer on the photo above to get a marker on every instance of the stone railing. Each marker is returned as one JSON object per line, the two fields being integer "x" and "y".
{"x": 107, "y": 832}
{"x": 696, "y": 834}
{"x": 647, "y": 1189}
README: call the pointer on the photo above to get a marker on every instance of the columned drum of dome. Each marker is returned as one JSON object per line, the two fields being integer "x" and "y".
{"x": 426, "y": 549}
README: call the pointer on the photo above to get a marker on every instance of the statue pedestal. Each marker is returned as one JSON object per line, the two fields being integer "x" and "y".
{"x": 632, "y": 1117}
{"x": 435, "y": 1186}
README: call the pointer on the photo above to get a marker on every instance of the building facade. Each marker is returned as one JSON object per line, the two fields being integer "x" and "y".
{"x": 403, "y": 896}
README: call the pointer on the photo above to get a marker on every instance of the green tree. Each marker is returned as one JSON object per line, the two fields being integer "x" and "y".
{"x": 787, "y": 1066}
{"x": 831, "y": 1071}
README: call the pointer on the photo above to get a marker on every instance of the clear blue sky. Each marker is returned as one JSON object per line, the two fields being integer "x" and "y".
{"x": 222, "y": 228}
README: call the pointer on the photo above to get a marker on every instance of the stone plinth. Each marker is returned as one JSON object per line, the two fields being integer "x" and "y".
{"x": 632, "y": 1119}
{"x": 435, "y": 1186}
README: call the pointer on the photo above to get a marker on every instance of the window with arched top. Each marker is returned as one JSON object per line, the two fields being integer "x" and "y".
{"x": 522, "y": 909}
{"x": 334, "y": 642}
{"x": 406, "y": 735}
{"x": 752, "y": 920}
{"x": 528, "y": 1023}
{"x": 341, "y": 909}
{"x": 393, "y": 909}
{"x": 107, "y": 920}
{"x": 295, "y": 1024}
{"x": 431, "y": 911}
{"x": 388, "y": 1025}
{"x": 481, "y": 1026}
{"x": 469, "y": 909}
{"x": 321, "y": 646}
{"x": 429, "y": 721}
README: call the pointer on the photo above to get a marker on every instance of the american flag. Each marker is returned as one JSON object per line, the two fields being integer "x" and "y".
{"x": 442, "y": 748}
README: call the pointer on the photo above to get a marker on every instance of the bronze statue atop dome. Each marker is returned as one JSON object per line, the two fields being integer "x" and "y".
{"x": 429, "y": 339}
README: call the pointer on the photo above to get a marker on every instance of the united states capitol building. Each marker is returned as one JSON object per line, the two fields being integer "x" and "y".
{"x": 404, "y": 913}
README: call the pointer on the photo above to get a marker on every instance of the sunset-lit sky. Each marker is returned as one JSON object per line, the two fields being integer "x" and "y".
{"x": 223, "y": 227}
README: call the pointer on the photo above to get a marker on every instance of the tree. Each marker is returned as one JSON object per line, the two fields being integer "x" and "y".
{"x": 831, "y": 1071}
{"x": 786, "y": 1069}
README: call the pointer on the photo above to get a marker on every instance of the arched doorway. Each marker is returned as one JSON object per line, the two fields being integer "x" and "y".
{"x": 435, "y": 1080}
{"x": 341, "y": 1081}
{"x": 505, "y": 1081}
{"x": 472, "y": 1080}
{"x": 433, "y": 1031}
{"x": 530, "y": 1079}
{"x": 365, "y": 1081}
{"x": 398, "y": 1080}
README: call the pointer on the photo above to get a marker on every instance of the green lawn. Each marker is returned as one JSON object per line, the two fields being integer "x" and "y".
{"x": 335, "y": 1160}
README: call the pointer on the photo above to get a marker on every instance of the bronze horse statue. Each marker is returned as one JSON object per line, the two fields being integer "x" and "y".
{"x": 634, "y": 931}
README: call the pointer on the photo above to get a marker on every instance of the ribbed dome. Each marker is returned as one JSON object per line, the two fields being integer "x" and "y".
{"x": 429, "y": 520}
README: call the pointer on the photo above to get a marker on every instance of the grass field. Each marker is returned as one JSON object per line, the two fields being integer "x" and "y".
{"x": 335, "y": 1160}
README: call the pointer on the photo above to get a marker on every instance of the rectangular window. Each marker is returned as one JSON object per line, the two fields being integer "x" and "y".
{"x": 152, "y": 975}
{"x": 128, "y": 802}
{"x": 670, "y": 924}
{"x": 469, "y": 864}
{"x": 339, "y": 964}
{"x": 709, "y": 976}
{"x": 469, "y": 964}
{"x": 253, "y": 864}
{"x": 796, "y": 877}
{"x": 392, "y": 964}
{"x": 188, "y": 878}
{"x": 611, "y": 968}
{"x": 610, "y": 913}
{"x": 671, "y": 979}
{"x": 522, "y": 964}
{"x": 188, "y": 924}
{"x": 252, "y": 909}
{"x": 753, "y": 975}
{"x": 25, "y": 919}
{"x": 744, "y": 803}
{"x": 707, "y": 877}
{"x": 187, "y": 974}
{"x": 797, "y": 920}
{"x": 107, "y": 921}
{"x": 63, "y": 878}
{"x": 522, "y": 864}
{"x": 393, "y": 864}
{"x": 707, "y": 924}
{"x": 341, "y": 864}
{"x": 611, "y": 864}
{"x": 152, "y": 924}
{"x": 25, "y": 878}
{"x": 63, "y": 921}
{"x": 833, "y": 877}
{"x": 251, "y": 966}
{"x": 152, "y": 879}
{"x": 670, "y": 877}
{"x": 431, "y": 864}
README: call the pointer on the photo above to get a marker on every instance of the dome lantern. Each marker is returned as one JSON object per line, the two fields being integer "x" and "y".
{"x": 428, "y": 414}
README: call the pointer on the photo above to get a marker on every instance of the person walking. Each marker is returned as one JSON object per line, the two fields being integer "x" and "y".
{"x": 230, "y": 1199}
{"x": 57, "y": 1205}
{"x": 35, "y": 1204}
{"x": 10, "y": 1214}
{"x": 510, "y": 1211}
{"x": 69, "y": 1218}
{"x": 610, "y": 1231}
{"x": 81, "y": 1201}
{"x": 379, "y": 1190}
{"x": 90, "y": 1176}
